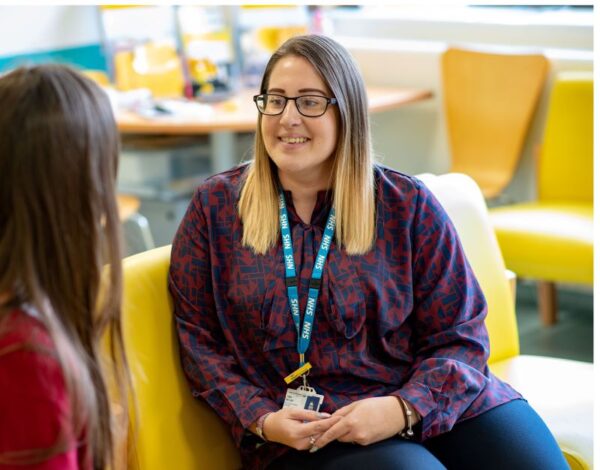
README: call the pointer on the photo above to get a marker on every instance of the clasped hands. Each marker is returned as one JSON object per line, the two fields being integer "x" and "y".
{"x": 362, "y": 422}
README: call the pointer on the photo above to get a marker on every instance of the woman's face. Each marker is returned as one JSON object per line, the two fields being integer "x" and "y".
{"x": 300, "y": 146}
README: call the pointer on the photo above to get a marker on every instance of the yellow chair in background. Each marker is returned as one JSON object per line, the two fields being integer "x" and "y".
{"x": 551, "y": 239}
{"x": 178, "y": 431}
{"x": 489, "y": 103}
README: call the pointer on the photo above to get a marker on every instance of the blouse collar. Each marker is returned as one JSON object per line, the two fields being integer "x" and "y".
{"x": 320, "y": 212}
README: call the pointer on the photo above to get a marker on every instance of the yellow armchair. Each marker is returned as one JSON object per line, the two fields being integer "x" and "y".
{"x": 177, "y": 431}
{"x": 174, "y": 430}
{"x": 560, "y": 390}
{"x": 551, "y": 239}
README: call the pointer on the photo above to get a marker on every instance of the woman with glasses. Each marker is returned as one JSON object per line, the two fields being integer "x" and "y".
{"x": 324, "y": 305}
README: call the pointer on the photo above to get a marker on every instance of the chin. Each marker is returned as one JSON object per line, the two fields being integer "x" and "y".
{"x": 291, "y": 167}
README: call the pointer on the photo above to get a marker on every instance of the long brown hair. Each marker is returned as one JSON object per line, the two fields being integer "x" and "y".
{"x": 59, "y": 224}
{"x": 352, "y": 177}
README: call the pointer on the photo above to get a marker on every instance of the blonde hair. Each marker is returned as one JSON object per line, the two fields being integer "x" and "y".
{"x": 352, "y": 175}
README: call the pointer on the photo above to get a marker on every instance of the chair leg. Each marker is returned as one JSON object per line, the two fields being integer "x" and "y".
{"x": 141, "y": 239}
{"x": 547, "y": 302}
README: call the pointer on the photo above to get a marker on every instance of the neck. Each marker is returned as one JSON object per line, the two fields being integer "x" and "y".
{"x": 306, "y": 185}
{"x": 304, "y": 192}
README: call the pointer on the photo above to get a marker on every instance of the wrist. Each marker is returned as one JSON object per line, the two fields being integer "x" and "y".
{"x": 410, "y": 419}
{"x": 260, "y": 426}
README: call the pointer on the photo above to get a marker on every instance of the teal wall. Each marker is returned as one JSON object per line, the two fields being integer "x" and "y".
{"x": 85, "y": 57}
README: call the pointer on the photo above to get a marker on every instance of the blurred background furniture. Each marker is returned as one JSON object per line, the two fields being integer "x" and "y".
{"x": 173, "y": 51}
{"x": 489, "y": 101}
{"x": 137, "y": 234}
{"x": 261, "y": 29}
{"x": 560, "y": 390}
{"x": 178, "y": 431}
{"x": 143, "y": 49}
{"x": 551, "y": 239}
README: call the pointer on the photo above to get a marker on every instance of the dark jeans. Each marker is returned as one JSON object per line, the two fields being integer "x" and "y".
{"x": 511, "y": 436}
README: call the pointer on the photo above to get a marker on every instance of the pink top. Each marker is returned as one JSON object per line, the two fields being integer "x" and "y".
{"x": 34, "y": 403}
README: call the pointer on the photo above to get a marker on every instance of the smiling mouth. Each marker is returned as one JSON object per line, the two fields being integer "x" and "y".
{"x": 293, "y": 140}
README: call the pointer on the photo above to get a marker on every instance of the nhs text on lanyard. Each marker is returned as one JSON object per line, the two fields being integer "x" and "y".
{"x": 291, "y": 282}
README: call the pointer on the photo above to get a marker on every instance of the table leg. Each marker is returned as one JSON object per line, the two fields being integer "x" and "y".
{"x": 223, "y": 151}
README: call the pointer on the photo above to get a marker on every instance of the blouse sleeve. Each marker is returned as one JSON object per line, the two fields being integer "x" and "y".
{"x": 34, "y": 411}
{"x": 450, "y": 338}
{"x": 208, "y": 363}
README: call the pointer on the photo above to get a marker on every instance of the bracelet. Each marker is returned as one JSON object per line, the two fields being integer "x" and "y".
{"x": 407, "y": 432}
{"x": 259, "y": 426}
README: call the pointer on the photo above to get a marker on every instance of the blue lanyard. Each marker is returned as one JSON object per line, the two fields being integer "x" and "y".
{"x": 291, "y": 281}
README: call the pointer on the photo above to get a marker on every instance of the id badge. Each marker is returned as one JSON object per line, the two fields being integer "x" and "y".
{"x": 303, "y": 397}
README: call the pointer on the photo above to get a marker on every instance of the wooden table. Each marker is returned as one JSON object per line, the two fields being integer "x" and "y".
{"x": 239, "y": 114}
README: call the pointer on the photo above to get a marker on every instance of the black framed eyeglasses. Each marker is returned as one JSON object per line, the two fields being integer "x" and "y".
{"x": 272, "y": 104}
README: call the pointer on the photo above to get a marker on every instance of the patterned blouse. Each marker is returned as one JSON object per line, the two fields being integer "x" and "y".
{"x": 406, "y": 319}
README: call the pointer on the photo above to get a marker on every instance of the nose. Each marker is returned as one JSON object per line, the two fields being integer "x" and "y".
{"x": 290, "y": 115}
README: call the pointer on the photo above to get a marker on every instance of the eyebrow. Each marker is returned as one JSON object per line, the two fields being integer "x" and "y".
{"x": 302, "y": 90}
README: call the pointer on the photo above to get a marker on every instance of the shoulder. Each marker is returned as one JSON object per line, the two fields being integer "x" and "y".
{"x": 28, "y": 360}
{"x": 216, "y": 198}
{"x": 34, "y": 408}
{"x": 408, "y": 196}
{"x": 222, "y": 186}
{"x": 20, "y": 327}
{"x": 392, "y": 185}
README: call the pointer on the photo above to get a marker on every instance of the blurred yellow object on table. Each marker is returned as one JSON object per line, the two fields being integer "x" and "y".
{"x": 272, "y": 37}
{"x": 155, "y": 66}
{"x": 97, "y": 76}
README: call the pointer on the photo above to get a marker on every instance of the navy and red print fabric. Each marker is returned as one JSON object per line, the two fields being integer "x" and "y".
{"x": 405, "y": 319}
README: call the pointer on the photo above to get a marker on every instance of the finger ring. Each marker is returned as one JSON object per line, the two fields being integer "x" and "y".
{"x": 312, "y": 440}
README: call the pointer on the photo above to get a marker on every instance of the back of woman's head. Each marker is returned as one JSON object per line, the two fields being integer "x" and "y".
{"x": 59, "y": 223}
{"x": 58, "y": 161}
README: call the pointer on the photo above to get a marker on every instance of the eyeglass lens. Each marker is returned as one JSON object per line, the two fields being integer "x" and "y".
{"x": 308, "y": 105}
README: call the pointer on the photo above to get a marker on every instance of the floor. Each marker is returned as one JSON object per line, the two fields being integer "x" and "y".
{"x": 573, "y": 335}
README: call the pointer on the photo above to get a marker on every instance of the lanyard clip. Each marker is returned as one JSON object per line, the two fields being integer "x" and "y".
{"x": 305, "y": 374}
{"x": 300, "y": 372}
